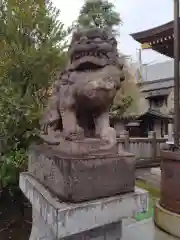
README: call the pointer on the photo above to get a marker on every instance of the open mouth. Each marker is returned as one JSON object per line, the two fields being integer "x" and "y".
{"x": 89, "y": 63}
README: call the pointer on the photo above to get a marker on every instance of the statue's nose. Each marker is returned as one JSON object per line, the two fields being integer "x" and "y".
{"x": 109, "y": 85}
{"x": 106, "y": 85}
{"x": 94, "y": 84}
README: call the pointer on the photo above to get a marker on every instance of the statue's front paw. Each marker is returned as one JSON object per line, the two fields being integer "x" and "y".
{"x": 51, "y": 137}
{"x": 78, "y": 134}
{"x": 109, "y": 135}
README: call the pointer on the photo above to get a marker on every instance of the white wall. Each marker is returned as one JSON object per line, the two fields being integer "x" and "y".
{"x": 119, "y": 126}
{"x": 157, "y": 128}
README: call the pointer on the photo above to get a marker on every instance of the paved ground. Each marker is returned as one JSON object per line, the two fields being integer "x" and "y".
{"x": 151, "y": 176}
{"x": 144, "y": 230}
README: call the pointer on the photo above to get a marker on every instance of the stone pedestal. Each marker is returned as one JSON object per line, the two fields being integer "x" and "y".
{"x": 79, "y": 177}
{"x": 92, "y": 220}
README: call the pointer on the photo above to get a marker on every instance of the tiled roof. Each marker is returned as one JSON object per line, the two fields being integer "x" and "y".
{"x": 157, "y": 84}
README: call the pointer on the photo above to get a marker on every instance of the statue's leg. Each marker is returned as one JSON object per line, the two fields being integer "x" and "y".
{"x": 71, "y": 128}
{"x": 103, "y": 129}
{"x": 67, "y": 103}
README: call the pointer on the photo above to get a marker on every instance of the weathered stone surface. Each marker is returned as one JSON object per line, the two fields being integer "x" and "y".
{"x": 77, "y": 178}
{"x": 84, "y": 92}
{"x": 99, "y": 219}
{"x": 40, "y": 229}
{"x": 93, "y": 146}
{"x": 112, "y": 231}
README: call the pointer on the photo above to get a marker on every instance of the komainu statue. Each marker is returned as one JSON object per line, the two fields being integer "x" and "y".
{"x": 81, "y": 98}
{"x": 79, "y": 159}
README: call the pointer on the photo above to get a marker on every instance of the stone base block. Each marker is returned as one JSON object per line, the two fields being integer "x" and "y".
{"x": 167, "y": 221}
{"x": 76, "y": 178}
{"x": 40, "y": 230}
{"x": 91, "y": 220}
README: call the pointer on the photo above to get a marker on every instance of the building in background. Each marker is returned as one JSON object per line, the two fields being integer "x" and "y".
{"x": 156, "y": 86}
{"x": 156, "y": 112}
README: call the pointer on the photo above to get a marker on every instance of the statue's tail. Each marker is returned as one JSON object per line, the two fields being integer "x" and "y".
{"x": 50, "y": 131}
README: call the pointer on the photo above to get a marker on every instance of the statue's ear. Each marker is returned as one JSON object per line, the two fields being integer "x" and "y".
{"x": 118, "y": 100}
{"x": 122, "y": 76}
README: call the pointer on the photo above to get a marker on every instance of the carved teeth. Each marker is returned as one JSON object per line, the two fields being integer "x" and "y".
{"x": 99, "y": 54}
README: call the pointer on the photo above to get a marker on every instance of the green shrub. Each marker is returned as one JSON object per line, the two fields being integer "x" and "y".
{"x": 11, "y": 165}
{"x": 32, "y": 43}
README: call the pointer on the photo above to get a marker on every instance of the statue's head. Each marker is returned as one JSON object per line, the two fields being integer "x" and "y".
{"x": 92, "y": 49}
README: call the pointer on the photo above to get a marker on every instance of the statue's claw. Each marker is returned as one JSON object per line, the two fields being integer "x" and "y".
{"x": 78, "y": 134}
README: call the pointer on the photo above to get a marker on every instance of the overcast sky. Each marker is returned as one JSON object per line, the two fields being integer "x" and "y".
{"x": 137, "y": 15}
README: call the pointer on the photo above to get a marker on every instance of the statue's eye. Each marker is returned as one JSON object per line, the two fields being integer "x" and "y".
{"x": 122, "y": 78}
{"x": 83, "y": 38}
{"x": 112, "y": 40}
{"x": 121, "y": 66}
{"x": 97, "y": 39}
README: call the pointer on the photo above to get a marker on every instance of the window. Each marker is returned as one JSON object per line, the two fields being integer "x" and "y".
{"x": 158, "y": 102}
{"x": 151, "y": 126}
{"x": 164, "y": 128}
{"x": 165, "y": 100}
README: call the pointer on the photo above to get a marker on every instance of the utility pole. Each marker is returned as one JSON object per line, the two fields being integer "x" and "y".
{"x": 176, "y": 74}
{"x": 139, "y": 73}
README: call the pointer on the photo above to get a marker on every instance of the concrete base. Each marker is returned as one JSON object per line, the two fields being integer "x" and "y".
{"x": 93, "y": 220}
{"x": 167, "y": 221}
